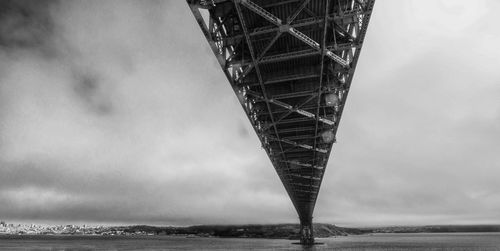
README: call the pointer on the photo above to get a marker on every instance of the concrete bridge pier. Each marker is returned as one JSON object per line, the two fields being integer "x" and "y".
{"x": 306, "y": 231}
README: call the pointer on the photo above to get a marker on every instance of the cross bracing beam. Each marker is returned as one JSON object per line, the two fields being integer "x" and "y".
{"x": 304, "y": 185}
{"x": 261, "y": 11}
{"x": 285, "y": 78}
{"x": 362, "y": 26}
{"x": 293, "y": 143}
{"x": 296, "y": 54}
{"x": 252, "y": 54}
{"x": 321, "y": 79}
{"x": 299, "y": 106}
{"x": 294, "y": 120}
{"x": 281, "y": 57}
{"x": 283, "y": 75}
{"x": 294, "y": 94}
{"x": 309, "y": 177}
{"x": 298, "y": 163}
{"x": 291, "y": 108}
{"x": 293, "y": 150}
{"x": 297, "y": 129}
{"x": 305, "y": 198}
{"x": 315, "y": 45}
{"x": 305, "y": 191}
{"x": 346, "y": 18}
{"x": 301, "y": 156}
{"x": 296, "y": 33}
{"x": 256, "y": 61}
{"x": 279, "y": 3}
{"x": 300, "y": 137}
{"x": 307, "y": 108}
{"x": 297, "y": 11}
{"x": 261, "y": 84}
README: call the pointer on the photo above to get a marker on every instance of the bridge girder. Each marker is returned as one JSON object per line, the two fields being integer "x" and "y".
{"x": 290, "y": 63}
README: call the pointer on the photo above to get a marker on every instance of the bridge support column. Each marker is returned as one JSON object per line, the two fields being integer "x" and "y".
{"x": 306, "y": 232}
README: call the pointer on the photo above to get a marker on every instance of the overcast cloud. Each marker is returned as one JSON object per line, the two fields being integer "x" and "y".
{"x": 116, "y": 112}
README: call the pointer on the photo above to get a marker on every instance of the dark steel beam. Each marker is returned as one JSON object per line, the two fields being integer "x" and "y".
{"x": 309, "y": 177}
{"x": 301, "y": 164}
{"x": 296, "y": 54}
{"x": 344, "y": 19}
{"x": 281, "y": 79}
{"x": 293, "y": 143}
{"x": 291, "y": 108}
{"x": 279, "y": 3}
{"x": 261, "y": 11}
{"x": 323, "y": 44}
{"x": 294, "y": 95}
{"x": 296, "y": 129}
{"x": 299, "y": 137}
{"x": 294, "y": 32}
{"x": 262, "y": 54}
{"x": 304, "y": 185}
{"x": 252, "y": 54}
{"x": 295, "y": 120}
{"x": 307, "y": 108}
{"x": 262, "y": 86}
{"x": 297, "y": 11}
{"x": 299, "y": 106}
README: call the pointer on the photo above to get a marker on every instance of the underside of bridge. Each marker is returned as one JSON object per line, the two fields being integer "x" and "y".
{"x": 291, "y": 63}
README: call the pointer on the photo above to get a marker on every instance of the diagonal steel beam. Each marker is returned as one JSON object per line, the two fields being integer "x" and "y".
{"x": 296, "y": 33}
{"x": 298, "y": 163}
{"x": 252, "y": 54}
{"x": 297, "y": 54}
{"x": 290, "y": 112}
{"x": 301, "y": 36}
{"x": 305, "y": 191}
{"x": 295, "y": 120}
{"x": 282, "y": 79}
{"x": 307, "y": 108}
{"x": 300, "y": 137}
{"x": 291, "y": 108}
{"x": 361, "y": 35}
{"x": 297, "y": 12}
{"x": 294, "y": 95}
{"x": 314, "y": 20}
{"x": 304, "y": 185}
{"x": 263, "y": 88}
{"x": 309, "y": 12}
{"x": 297, "y": 129}
{"x": 304, "y": 177}
{"x": 262, "y": 54}
{"x": 261, "y": 11}
{"x": 278, "y": 3}
{"x": 293, "y": 143}
{"x": 321, "y": 79}
{"x": 207, "y": 33}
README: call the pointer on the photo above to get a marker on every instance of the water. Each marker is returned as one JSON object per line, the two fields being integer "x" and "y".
{"x": 424, "y": 241}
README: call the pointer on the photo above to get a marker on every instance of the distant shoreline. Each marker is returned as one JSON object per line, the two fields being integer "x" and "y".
{"x": 270, "y": 231}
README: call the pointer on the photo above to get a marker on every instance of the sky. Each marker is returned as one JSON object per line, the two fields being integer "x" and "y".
{"x": 116, "y": 112}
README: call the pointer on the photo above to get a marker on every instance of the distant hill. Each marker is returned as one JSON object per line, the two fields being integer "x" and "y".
{"x": 436, "y": 229}
{"x": 278, "y": 231}
{"x": 291, "y": 231}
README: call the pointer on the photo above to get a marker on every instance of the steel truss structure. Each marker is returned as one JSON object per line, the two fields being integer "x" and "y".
{"x": 291, "y": 63}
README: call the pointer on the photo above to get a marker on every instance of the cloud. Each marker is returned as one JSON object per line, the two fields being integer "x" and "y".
{"x": 418, "y": 139}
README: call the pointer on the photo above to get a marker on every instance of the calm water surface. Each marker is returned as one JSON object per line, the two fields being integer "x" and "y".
{"x": 455, "y": 241}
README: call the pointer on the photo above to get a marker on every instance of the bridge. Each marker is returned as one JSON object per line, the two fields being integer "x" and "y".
{"x": 291, "y": 64}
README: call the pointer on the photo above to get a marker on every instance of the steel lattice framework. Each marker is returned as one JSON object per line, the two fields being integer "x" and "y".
{"x": 291, "y": 63}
